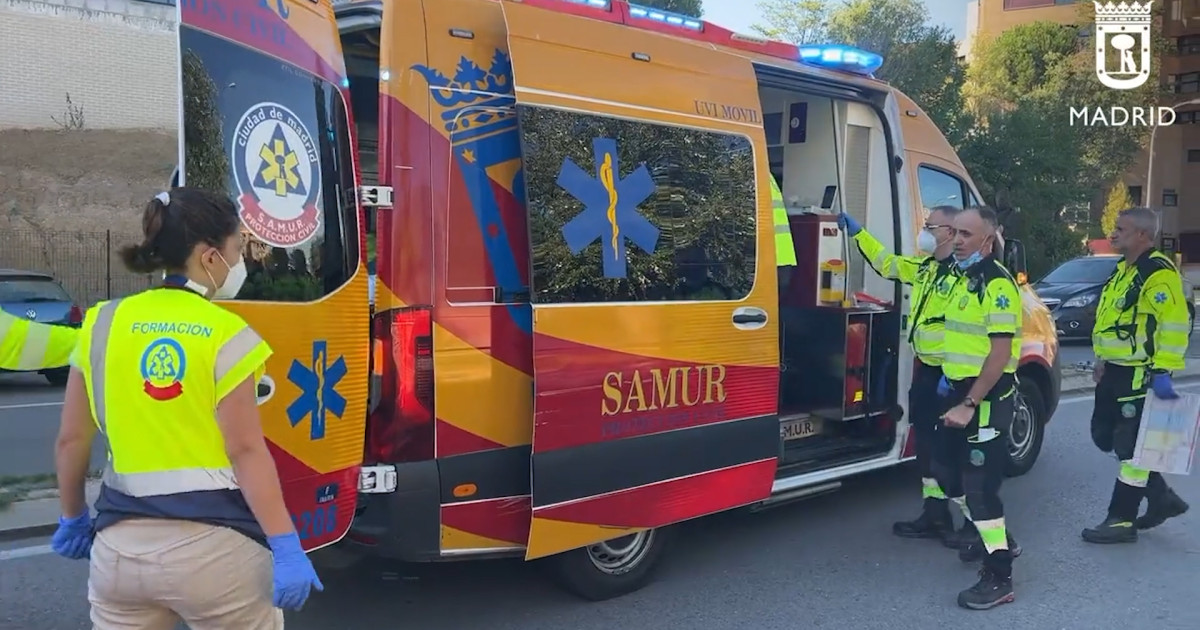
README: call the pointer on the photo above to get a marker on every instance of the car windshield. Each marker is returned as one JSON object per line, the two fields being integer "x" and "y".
{"x": 32, "y": 290}
{"x": 1082, "y": 271}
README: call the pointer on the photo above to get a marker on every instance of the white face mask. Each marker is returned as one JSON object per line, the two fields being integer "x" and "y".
{"x": 926, "y": 241}
{"x": 233, "y": 280}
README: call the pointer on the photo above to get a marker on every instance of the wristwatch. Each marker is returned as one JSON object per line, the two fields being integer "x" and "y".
{"x": 970, "y": 403}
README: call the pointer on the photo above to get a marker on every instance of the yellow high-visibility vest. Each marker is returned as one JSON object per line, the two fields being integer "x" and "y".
{"x": 156, "y": 365}
{"x": 1142, "y": 315}
{"x": 785, "y": 250}
{"x": 932, "y": 282}
{"x": 984, "y": 302}
{"x": 28, "y": 345}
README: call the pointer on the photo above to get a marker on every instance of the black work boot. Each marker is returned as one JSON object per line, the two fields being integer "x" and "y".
{"x": 975, "y": 551}
{"x": 962, "y": 538}
{"x": 1112, "y": 531}
{"x": 1161, "y": 504}
{"x": 934, "y": 522}
{"x": 994, "y": 586}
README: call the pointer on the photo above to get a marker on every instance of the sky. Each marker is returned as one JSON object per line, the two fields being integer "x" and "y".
{"x": 738, "y": 15}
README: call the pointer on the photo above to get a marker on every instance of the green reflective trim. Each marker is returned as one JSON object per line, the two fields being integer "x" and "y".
{"x": 783, "y": 229}
{"x": 994, "y": 534}
{"x": 930, "y": 489}
{"x": 1131, "y": 398}
{"x": 1131, "y": 475}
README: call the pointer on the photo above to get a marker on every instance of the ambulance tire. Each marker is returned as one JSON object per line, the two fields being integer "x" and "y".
{"x": 1028, "y": 430}
{"x": 611, "y": 569}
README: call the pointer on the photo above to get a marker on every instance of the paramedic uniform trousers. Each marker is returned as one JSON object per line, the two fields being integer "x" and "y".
{"x": 925, "y": 409}
{"x": 968, "y": 465}
{"x": 1116, "y": 420}
{"x": 148, "y": 574}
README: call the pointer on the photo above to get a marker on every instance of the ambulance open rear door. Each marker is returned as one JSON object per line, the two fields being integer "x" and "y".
{"x": 697, "y": 433}
{"x": 264, "y": 118}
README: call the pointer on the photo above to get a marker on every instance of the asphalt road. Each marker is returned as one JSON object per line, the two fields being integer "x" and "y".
{"x": 29, "y": 414}
{"x": 826, "y": 563}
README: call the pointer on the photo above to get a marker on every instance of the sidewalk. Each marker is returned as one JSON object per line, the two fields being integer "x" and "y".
{"x": 36, "y": 517}
{"x": 1075, "y": 379}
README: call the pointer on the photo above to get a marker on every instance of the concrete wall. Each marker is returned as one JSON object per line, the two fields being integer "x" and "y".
{"x": 116, "y": 58}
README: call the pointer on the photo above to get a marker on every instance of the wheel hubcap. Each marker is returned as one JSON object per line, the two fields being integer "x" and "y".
{"x": 620, "y": 555}
{"x": 1020, "y": 438}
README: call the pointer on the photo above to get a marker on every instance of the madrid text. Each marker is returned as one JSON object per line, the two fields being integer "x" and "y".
{"x": 1122, "y": 116}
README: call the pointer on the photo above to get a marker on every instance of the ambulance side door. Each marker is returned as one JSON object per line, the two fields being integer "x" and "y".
{"x": 265, "y": 118}
{"x": 655, "y": 338}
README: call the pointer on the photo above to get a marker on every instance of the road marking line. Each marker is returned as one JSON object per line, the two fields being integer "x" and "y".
{"x": 25, "y": 552}
{"x": 31, "y": 405}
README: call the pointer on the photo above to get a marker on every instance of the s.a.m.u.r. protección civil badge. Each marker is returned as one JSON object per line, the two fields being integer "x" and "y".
{"x": 1123, "y": 44}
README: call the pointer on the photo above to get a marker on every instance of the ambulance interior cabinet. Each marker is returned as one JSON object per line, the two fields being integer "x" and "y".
{"x": 837, "y": 363}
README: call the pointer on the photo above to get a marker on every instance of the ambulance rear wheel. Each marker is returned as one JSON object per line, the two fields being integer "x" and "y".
{"x": 612, "y": 568}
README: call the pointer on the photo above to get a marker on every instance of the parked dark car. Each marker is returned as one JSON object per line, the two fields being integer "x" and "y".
{"x": 39, "y": 297}
{"x": 1070, "y": 292}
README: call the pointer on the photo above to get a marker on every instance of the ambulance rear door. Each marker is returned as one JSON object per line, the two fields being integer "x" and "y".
{"x": 655, "y": 348}
{"x": 264, "y": 117}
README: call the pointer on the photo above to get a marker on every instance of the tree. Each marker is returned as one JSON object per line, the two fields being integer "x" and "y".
{"x": 1118, "y": 199}
{"x": 796, "y": 21}
{"x": 205, "y": 164}
{"x": 920, "y": 60}
{"x": 694, "y": 8}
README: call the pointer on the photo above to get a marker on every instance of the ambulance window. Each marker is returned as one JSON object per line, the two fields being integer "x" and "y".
{"x": 275, "y": 138}
{"x": 939, "y": 188}
{"x": 629, "y": 211}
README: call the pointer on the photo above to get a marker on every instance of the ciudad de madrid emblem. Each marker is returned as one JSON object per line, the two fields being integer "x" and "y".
{"x": 278, "y": 173}
{"x": 1124, "y": 29}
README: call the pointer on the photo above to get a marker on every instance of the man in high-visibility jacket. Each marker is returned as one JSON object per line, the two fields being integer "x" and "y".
{"x": 785, "y": 249}
{"x": 26, "y": 345}
{"x": 1140, "y": 337}
{"x": 983, "y": 347}
{"x": 931, "y": 276}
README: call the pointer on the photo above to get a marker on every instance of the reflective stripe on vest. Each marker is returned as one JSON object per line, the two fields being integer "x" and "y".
{"x": 785, "y": 250}
{"x": 26, "y": 345}
{"x": 142, "y": 483}
{"x": 968, "y": 322}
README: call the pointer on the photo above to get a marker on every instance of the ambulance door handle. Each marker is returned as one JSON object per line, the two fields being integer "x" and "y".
{"x": 749, "y": 318}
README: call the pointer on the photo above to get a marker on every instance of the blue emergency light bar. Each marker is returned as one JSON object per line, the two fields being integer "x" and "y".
{"x": 843, "y": 58}
{"x": 666, "y": 17}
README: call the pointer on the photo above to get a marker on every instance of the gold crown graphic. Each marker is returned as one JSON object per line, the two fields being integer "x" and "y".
{"x": 1124, "y": 12}
{"x": 476, "y": 101}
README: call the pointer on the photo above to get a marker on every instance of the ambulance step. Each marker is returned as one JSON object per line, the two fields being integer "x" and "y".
{"x": 822, "y": 452}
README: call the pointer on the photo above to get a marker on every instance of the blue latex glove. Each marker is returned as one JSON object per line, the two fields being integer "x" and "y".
{"x": 1163, "y": 387}
{"x": 848, "y": 223}
{"x": 73, "y": 538}
{"x": 943, "y": 387}
{"x": 294, "y": 573}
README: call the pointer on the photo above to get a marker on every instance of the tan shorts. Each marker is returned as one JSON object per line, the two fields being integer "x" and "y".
{"x": 151, "y": 574}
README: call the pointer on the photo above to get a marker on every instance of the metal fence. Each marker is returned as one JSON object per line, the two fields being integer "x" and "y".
{"x": 86, "y": 263}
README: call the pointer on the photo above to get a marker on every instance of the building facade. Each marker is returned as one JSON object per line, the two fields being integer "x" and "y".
{"x": 1173, "y": 167}
{"x": 114, "y": 59}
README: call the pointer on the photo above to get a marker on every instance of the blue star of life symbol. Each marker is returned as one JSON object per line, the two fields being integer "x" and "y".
{"x": 318, "y": 390}
{"x": 1002, "y": 302}
{"x": 1160, "y": 297}
{"x": 610, "y": 207}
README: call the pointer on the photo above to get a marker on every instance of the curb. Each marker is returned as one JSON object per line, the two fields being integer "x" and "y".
{"x": 32, "y": 531}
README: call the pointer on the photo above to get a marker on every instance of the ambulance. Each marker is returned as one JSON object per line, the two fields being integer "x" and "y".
{"x": 584, "y": 328}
